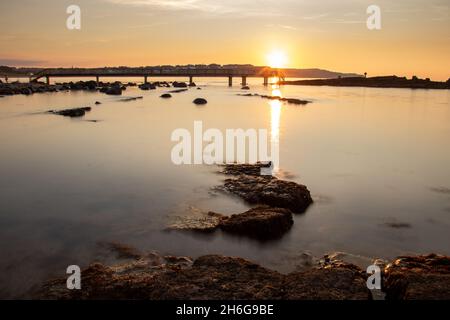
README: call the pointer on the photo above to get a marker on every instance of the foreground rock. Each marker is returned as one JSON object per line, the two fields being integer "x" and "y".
{"x": 73, "y": 113}
{"x": 266, "y": 190}
{"x": 418, "y": 278}
{"x": 262, "y": 223}
{"x": 210, "y": 277}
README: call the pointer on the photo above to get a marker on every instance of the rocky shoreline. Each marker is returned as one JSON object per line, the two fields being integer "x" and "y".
{"x": 109, "y": 88}
{"x": 214, "y": 277}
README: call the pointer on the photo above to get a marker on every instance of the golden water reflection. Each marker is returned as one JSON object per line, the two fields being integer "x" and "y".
{"x": 275, "y": 117}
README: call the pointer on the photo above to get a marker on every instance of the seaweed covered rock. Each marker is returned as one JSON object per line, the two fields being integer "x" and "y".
{"x": 425, "y": 277}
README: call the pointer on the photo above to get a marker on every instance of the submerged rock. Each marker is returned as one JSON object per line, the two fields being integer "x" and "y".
{"x": 200, "y": 101}
{"x": 211, "y": 277}
{"x": 73, "y": 113}
{"x": 97, "y": 102}
{"x": 126, "y": 99}
{"x": 245, "y": 88}
{"x": 178, "y": 90}
{"x": 166, "y": 95}
{"x": 288, "y": 100}
{"x": 425, "y": 277}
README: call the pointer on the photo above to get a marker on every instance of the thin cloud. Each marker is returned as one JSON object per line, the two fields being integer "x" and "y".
{"x": 21, "y": 62}
{"x": 281, "y": 26}
{"x": 234, "y": 8}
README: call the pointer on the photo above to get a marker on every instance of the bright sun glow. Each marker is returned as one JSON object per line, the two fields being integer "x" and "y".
{"x": 277, "y": 59}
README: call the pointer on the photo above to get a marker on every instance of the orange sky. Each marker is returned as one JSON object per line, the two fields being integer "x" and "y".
{"x": 328, "y": 34}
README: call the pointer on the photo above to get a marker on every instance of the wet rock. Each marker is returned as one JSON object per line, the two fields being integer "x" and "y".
{"x": 211, "y": 277}
{"x": 266, "y": 190}
{"x": 192, "y": 84}
{"x": 73, "y": 113}
{"x": 164, "y": 84}
{"x": 26, "y": 91}
{"x": 166, "y": 95}
{"x": 247, "y": 169}
{"x": 114, "y": 90}
{"x": 147, "y": 86}
{"x": 262, "y": 223}
{"x": 97, "y": 102}
{"x": 245, "y": 88}
{"x": 177, "y": 84}
{"x": 200, "y": 101}
{"x": 425, "y": 277}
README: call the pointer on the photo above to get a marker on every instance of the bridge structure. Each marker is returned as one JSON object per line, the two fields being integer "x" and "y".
{"x": 189, "y": 73}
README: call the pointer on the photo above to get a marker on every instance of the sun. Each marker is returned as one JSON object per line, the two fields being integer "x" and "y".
{"x": 277, "y": 59}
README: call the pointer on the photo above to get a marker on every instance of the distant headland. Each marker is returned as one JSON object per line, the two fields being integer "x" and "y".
{"x": 374, "y": 82}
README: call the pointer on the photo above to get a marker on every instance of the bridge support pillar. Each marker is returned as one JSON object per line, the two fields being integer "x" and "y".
{"x": 266, "y": 81}
{"x": 230, "y": 81}
{"x": 97, "y": 79}
{"x": 191, "y": 79}
{"x": 244, "y": 80}
{"x": 145, "y": 80}
{"x": 48, "y": 80}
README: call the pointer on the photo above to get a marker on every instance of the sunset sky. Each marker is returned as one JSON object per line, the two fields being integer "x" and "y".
{"x": 328, "y": 34}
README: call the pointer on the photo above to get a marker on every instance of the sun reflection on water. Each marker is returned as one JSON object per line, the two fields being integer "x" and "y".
{"x": 275, "y": 116}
